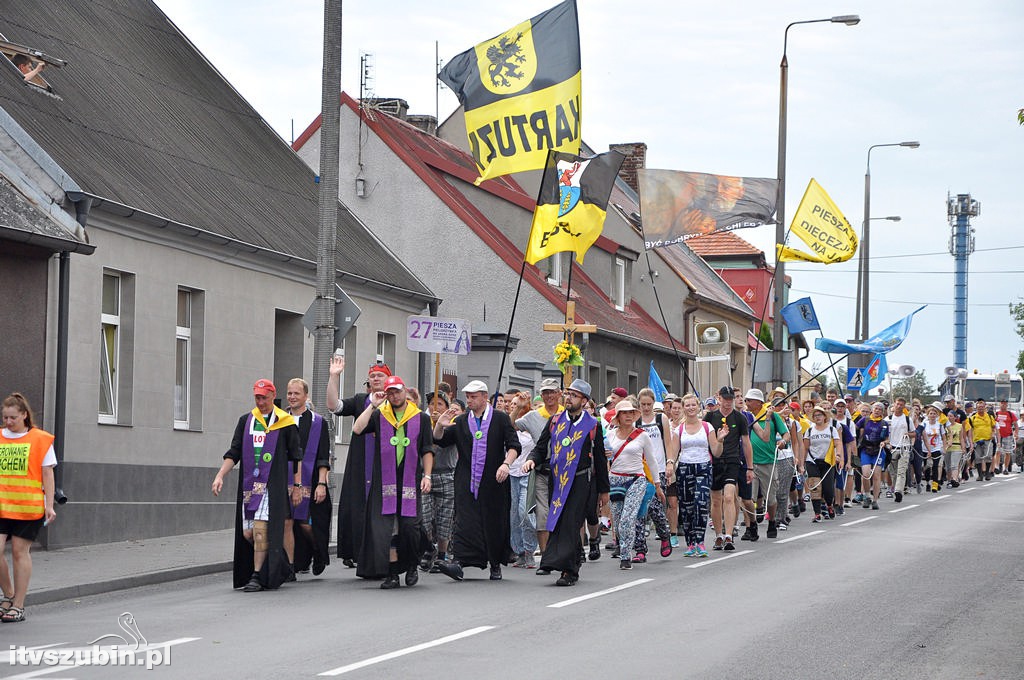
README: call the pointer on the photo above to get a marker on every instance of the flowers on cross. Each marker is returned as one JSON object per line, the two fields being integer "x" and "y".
{"x": 567, "y": 354}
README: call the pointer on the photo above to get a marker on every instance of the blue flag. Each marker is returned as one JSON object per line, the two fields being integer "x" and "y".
{"x": 799, "y": 316}
{"x": 874, "y": 374}
{"x": 882, "y": 342}
{"x": 655, "y": 384}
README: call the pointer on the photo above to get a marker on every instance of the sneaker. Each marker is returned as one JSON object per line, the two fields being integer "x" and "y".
{"x": 691, "y": 551}
{"x": 666, "y": 548}
{"x": 520, "y": 562}
{"x": 611, "y": 545}
{"x": 840, "y": 511}
{"x": 641, "y": 558}
{"x": 831, "y": 512}
{"x": 728, "y": 544}
{"x": 674, "y": 540}
{"x": 567, "y": 579}
{"x": 874, "y": 505}
{"x": 888, "y": 493}
{"x": 701, "y": 552}
{"x": 786, "y": 520}
{"x": 543, "y": 571}
{"x": 782, "y": 526}
{"x": 988, "y": 476}
{"x": 496, "y": 572}
{"x": 530, "y": 562}
{"x": 867, "y": 502}
{"x": 1008, "y": 470}
{"x": 847, "y": 503}
{"x": 806, "y": 499}
{"x": 918, "y": 487}
{"x": 625, "y": 564}
{"x": 817, "y": 518}
{"x": 616, "y": 553}
{"x": 899, "y": 497}
{"x": 412, "y": 577}
{"x": 452, "y": 570}
{"x": 719, "y": 543}
{"x": 773, "y": 531}
{"x": 796, "y": 510}
{"x": 595, "y": 550}
{"x": 391, "y": 581}
{"x": 956, "y": 484}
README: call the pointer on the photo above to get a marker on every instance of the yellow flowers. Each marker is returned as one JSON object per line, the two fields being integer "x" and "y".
{"x": 567, "y": 354}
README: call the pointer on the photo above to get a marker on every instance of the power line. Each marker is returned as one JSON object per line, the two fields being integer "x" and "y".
{"x": 940, "y": 252}
{"x": 902, "y": 271}
{"x": 909, "y": 302}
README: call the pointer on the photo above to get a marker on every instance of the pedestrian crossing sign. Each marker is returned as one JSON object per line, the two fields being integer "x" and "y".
{"x": 854, "y": 378}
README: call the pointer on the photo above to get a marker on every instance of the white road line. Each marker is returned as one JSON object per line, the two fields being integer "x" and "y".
{"x": 906, "y": 507}
{"x": 938, "y": 498}
{"x": 797, "y": 538}
{"x": 858, "y": 521}
{"x": 1010, "y": 479}
{"x": 970, "y": 488}
{"x": 590, "y": 596}
{"x": 407, "y": 650}
{"x": 990, "y": 484}
{"x": 704, "y": 563}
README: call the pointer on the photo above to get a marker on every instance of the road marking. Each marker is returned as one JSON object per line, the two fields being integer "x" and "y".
{"x": 858, "y": 521}
{"x": 797, "y": 538}
{"x": 990, "y": 484}
{"x": 906, "y": 507}
{"x": 970, "y": 488}
{"x": 704, "y": 563}
{"x": 938, "y": 498}
{"x": 607, "y": 591}
{"x": 407, "y": 650}
{"x": 1010, "y": 479}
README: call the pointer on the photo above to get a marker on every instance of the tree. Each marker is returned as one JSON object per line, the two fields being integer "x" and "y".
{"x": 765, "y": 336}
{"x": 828, "y": 378}
{"x": 1017, "y": 314}
{"x": 915, "y": 386}
{"x": 1020, "y": 116}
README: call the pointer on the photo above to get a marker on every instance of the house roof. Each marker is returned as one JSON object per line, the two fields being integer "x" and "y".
{"x": 142, "y": 119}
{"x": 24, "y": 221}
{"x": 723, "y": 244}
{"x": 440, "y": 165}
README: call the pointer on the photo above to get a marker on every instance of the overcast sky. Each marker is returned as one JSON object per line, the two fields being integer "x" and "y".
{"x": 699, "y": 83}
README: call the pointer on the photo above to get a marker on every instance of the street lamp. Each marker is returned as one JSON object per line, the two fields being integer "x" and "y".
{"x": 779, "y": 279}
{"x": 863, "y": 267}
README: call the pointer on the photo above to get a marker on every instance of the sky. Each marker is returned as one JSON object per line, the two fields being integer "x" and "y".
{"x": 698, "y": 82}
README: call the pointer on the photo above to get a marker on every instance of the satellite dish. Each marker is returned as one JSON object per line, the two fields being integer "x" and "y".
{"x": 951, "y": 371}
{"x": 906, "y": 371}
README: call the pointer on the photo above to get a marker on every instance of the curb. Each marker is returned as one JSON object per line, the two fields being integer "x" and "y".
{"x": 124, "y": 583}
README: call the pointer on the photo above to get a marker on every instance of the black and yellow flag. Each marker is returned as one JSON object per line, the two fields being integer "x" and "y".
{"x": 521, "y": 93}
{"x": 572, "y": 204}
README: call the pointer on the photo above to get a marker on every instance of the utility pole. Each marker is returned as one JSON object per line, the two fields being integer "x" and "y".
{"x": 327, "y": 242}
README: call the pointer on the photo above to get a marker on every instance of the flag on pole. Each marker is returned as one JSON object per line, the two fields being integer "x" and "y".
{"x": 571, "y": 204}
{"x": 882, "y": 342}
{"x": 799, "y": 316}
{"x": 676, "y": 205}
{"x": 521, "y": 93}
{"x": 655, "y": 384}
{"x": 874, "y": 373}
{"x": 820, "y": 224}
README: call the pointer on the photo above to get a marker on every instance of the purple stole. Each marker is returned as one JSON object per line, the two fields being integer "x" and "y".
{"x": 301, "y": 511}
{"x": 369, "y": 449}
{"x": 476, "y": 468}
{"x": 567, "y": 445}
{"x": 389, "y": 443}
{"x": 255, "y": 478}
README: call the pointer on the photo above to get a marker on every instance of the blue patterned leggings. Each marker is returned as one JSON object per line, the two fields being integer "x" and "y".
{"x": 625, "y": 512}
{"x": 656, "y": 513}
{"x": 694, "y": 483}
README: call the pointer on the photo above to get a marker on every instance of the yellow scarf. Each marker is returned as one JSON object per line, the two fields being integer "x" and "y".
{"x": 284, "y": 419}
{"x": 874, "y": 419}
{"x": 388, "y": 413}
{"x": 543, "y": 410}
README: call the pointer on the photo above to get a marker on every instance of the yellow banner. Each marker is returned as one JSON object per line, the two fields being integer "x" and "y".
{"x": 553, "y": 234}
{"x": 820, "y": 224}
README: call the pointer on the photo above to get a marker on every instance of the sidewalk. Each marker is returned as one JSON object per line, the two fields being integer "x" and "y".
{"x": 103, "y": 568}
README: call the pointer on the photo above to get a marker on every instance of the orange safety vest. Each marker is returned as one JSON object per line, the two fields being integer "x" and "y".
{"x": 21, "y": 474}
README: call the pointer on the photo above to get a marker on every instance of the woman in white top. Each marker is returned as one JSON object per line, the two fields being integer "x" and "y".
{"x": 632, "y": 453}
{"x": 656, "y": 425}
{"x": 934, "y": 443}
{"x": 693, "y": 445}
{"x": 524, "y": 531}
{"x": 822, "y": 447}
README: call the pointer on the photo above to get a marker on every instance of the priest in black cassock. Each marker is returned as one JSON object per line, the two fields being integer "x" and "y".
{"x": 391, "y": 536}
{"x": 487, "y": 444}
{"x": 355, "y": 484}
{"x": 572, "y": 444}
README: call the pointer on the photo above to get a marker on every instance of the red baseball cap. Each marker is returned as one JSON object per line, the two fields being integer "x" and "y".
{"x": 264, "y": 387}
{"x": 393, "y": 382}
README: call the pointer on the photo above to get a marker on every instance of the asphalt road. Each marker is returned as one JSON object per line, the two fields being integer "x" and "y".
{"x": 935, "y": 590}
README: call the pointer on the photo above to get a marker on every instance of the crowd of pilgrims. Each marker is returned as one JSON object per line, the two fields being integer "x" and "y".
{"x": 552, "y": 481}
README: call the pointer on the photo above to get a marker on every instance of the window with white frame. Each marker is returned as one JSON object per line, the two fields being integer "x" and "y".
{"x": 110, "y": 339}
{"x": 386, "y": 348}
{"x": 555, "y": 269}
{"x": 183, "y": 359}
{"x": 619, "y": 283}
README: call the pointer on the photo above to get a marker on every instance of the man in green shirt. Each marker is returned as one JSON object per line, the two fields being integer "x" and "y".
{"x": 768, "y": 434}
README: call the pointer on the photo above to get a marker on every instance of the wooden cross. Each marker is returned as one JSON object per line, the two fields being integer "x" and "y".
{"x": 568, "y": 330}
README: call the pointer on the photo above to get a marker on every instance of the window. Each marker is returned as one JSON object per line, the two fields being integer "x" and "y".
{"x": 634, "y": 383}
{"x": 611, "y": 380}
{"x": 386, "y": 349}
{"x": 188, "y": 360}
{"x": 117, "y": 301}
{"x": 619, "y": 284}
{"x": 555, "y": 269}
{"x": 30, "y": 62}
{"x": 351, "y": 383}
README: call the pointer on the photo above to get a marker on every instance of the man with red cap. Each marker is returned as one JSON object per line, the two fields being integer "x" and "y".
{"x": 355, "y": 484}
{"x": 402, "y": 438}
{"x": 266, "y": 444}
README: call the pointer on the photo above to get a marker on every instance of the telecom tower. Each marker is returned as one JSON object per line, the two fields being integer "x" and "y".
{"x": 961, "y": 244}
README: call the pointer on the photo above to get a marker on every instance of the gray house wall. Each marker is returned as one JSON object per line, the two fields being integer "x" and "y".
{"x": 23, "y": 280}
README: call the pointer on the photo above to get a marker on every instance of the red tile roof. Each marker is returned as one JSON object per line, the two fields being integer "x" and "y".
{"x": 431, "y": 158}
{"x": 722, "y": 244}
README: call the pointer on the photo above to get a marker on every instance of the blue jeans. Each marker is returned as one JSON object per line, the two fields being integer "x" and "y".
{"x": 524, "y": 532}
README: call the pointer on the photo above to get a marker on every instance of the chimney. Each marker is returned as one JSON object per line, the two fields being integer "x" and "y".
{"x": 399, "y": 108}
{"x": 636, "y": 159}
{"x": 424, "y": 122}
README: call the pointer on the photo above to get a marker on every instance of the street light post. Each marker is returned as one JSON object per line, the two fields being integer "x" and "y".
{"x": 863, "y": 268}
{"x": 779, "y": 278}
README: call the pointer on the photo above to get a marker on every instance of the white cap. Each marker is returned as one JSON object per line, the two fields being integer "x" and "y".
{"x": 475, "y": 386}
{"x": 754, "y": 393}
